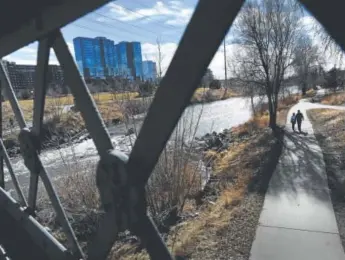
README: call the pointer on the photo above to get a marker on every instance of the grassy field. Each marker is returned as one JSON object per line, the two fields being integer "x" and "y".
{"x": 102, "y": 97}
{"x": 202, "y": 95}
{"x": 68, "y": 99}
{"x": 110, "y": 105}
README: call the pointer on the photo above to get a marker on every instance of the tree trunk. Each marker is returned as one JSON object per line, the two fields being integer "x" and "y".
{"x": 273, "y": 114}
{"x": 252, "y": 103}
{"x": 273, "y": 121}
{"x": 304, "y": 89}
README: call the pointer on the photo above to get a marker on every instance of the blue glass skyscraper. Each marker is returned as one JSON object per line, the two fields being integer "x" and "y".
{"x": 85, "y": 56}
{"x": 122, "y": 59}
{"x": 137, "y": 60}
{"x": 149, "y": 70}
{"x": 107, "y": 56}
{"x": 130, "y": 59}
{"x": 96, "y": 58}
{"x": 100, "y": 58}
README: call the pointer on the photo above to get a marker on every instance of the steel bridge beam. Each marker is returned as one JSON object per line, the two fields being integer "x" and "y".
{"x": 39, "y": 101}
{"x": 51, "y": 18}
{"x": 23, "y": 237}
{"x": 332, "y": 19}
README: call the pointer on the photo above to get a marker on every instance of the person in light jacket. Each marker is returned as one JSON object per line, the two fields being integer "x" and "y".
{"x": 293, "y": 121}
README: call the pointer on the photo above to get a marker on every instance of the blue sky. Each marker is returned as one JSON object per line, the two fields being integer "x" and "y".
{"x": 134, "y": 20}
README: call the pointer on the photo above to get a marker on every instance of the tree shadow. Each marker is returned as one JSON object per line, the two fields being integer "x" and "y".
{"x": 298, "y": 164}
{"x": 302, "y": 133}
{"x": 262, "y": 176}
{"x": 301, "y": 167}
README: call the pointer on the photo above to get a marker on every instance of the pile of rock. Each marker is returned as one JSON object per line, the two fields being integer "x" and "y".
{"x": 216, "y": 141}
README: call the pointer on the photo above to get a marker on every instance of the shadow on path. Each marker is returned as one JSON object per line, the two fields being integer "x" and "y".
{"x": 301, "y": 166}
{"x": 262, "y": 177}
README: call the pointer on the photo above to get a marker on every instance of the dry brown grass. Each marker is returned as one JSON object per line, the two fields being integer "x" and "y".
{"x": 310, "y": 92}
{"x": 111, "y": 111}
{"x": 108, "y": 105}
{"x": 68, "y": 99}
{"x": 334, "y": 99}
{"x": 209, "y": 95}
{"x": 333, "y": 121}
{"x": 235, "y": 167}
{"x": 79, "y": 196}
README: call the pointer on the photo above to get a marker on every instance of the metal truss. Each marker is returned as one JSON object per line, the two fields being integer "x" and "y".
{"x": 120, "y": 179}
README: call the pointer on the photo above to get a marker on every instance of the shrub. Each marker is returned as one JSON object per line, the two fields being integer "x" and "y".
{"x": 215, "y": 84}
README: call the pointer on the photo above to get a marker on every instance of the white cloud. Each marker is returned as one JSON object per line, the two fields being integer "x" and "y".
{"x": 150, "y": 52}
{"x": 28, "y": 55}
{"x": 29, "y": 49}
{"x": 173, "y": 12}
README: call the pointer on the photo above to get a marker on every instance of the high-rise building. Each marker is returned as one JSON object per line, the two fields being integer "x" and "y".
{"x": 96, "y": 58}
{"x": 149, "y": 70}
{"x": 85, "y": 56}
{"x": 55, "y": 75}
{"x": 137, "y": 61}
{"x": 23, "y": 76}
{"x": 130, "y": 59}
{"x": 105, "y": 55}
{"x": 100, "y": 58}
{"x": 122, "y": 59}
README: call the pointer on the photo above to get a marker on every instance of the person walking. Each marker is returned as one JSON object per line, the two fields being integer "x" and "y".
{"x": 299, "y": 119}
{"x": 293, "y": 121}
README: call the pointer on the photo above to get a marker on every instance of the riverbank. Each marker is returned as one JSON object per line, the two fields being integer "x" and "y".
{"x": 219, "y": 222}
{"x": 202, "y": 96}
{"x": 79, "y": 194}
{"x": 329, "y": 130}
{"x": 64, "y": 127}
{"x": 233, "y": 199}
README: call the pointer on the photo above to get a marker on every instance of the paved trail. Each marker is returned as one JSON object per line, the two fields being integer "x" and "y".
{"x": 297, "y": 221}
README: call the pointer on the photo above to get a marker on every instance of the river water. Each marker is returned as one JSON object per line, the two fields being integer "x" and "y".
{"x": 205, "y": 118}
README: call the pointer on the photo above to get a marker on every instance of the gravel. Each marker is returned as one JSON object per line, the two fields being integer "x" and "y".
{"x": 241, "y": 232}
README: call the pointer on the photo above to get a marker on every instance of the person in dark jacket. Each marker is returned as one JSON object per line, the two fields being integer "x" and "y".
{"x": 299, "y": 119}
{"x": 293, "y": 121}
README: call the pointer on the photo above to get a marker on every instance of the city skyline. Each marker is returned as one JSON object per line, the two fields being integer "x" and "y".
{"x": 136, "y": 20}
{"x": 100, "y": 57}
{"x": 144, "y": 21}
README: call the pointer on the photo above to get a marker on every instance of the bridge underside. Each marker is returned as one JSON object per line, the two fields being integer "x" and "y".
{"x": 25, "y": 21}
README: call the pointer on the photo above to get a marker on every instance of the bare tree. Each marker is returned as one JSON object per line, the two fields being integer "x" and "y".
{"x": 267, "y": 30}
{"x": 306, "y": 60}
{"x": 207, "y": 78}
{"x": 160, "y": 58}
{"x": 328, "y": 45}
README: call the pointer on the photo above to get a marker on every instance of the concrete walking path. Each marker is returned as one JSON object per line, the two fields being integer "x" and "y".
{"x": 297, "y": 221}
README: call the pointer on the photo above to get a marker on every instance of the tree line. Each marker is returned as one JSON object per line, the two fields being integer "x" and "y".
{"x": 273, "y": 45}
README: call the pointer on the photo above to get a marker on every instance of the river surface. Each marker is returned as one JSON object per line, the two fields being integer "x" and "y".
{"x": 205, "y": 118}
